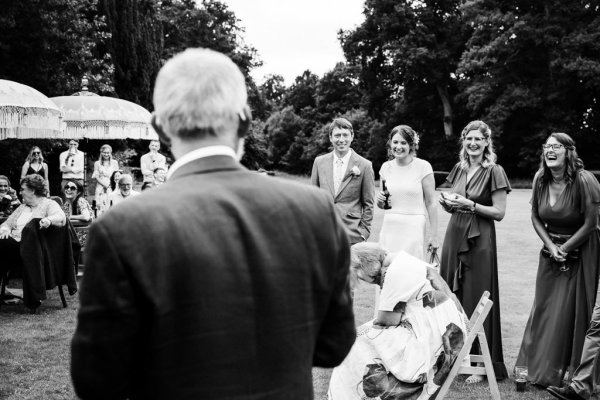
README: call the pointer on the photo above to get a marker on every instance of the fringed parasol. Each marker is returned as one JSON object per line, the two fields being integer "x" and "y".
{"x": 89, "y": 116}
{"x": 25, "y": 113}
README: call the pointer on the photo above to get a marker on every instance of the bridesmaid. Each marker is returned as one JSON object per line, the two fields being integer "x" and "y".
{"x": 564, "y": 213}
{"x": 469, "y": 260}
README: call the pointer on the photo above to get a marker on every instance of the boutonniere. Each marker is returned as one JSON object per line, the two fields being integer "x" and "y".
{"x": 355, "y": 171}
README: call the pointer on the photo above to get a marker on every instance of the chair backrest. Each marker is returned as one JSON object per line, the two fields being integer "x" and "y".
{"x": 481, "y": 311}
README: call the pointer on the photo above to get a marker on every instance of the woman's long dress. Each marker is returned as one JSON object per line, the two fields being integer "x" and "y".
{"x": 102, "y": 173}
{"x": 469, "y": 260}
{"x": 403, "y": 226}
{"x": 564, "y": 301}
{"x": 408, "y": 351}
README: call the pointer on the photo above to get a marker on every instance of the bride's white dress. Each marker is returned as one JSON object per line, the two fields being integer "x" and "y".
{"x": 409, "y": 351}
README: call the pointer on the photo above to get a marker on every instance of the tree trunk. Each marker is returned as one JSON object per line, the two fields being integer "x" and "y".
{"x": 443, "y": 92}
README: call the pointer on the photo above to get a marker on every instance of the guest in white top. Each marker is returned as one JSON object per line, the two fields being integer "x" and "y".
{"x": 411, "y": 185}
{"x": 71, "y": 163}
{"x": 35, "y": 205}
{"x": 151, "y": 161}
{"x": 125, "y": 190}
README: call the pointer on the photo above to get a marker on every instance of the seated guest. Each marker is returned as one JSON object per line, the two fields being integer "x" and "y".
{"x": 396, "y": 353}
{"x": 114, "y": 179}
{"x": 35, "y": 205}
{"x": 160, "y": 176}
{"x": 8, "y": 198}
{"x": 125, "y": 190}
{"x": 75, "y": 206}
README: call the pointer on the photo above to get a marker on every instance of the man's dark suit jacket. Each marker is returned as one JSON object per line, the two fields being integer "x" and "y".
{"x": 219, "y": 284}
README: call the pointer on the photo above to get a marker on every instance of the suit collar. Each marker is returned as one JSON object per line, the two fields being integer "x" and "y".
{"x": 207, "y": 164}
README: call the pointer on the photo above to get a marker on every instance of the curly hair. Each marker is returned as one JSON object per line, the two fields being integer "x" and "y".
{"x": 573, "y": 164}
{"x": 408, "y": 134}
{"x": 36, "y": 183}
{"x": 489, "y": 156}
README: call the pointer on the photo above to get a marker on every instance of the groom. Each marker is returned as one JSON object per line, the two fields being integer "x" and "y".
{"x": 349, "y": 179}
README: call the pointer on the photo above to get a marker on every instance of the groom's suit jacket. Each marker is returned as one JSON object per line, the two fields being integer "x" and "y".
{"x": 219, "y": 284}
{"x": 355, "y": 198}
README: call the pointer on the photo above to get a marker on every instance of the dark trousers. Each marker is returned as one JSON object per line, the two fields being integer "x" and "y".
{"x": 10, "y": 255}
{"x": 583, "y": 379}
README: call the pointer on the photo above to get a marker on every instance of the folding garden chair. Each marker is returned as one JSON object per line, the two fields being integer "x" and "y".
{"x": 475, "y": 330}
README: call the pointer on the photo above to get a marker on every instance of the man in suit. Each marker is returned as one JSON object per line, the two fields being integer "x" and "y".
{"x": 349, "y": 179}
{"x": 221, "y": 283}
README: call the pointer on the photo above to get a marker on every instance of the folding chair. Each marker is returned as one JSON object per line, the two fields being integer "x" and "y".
{"x": 475, "y": 329}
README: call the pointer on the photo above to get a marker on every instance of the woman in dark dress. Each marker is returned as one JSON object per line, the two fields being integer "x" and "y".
{"x": 34, "y": 164}
{"x": 564, "y": 213}
{"x": 469, "y": 262}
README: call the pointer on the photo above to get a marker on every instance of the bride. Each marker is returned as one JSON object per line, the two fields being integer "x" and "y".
{"x": 410, "y": 346}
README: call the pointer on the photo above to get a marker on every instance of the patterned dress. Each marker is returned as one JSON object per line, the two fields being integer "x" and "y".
{"x": 469, "y": 261}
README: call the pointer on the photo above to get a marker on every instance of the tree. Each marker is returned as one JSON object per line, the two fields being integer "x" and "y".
{"x": 338, "y": 91}
{"x": 301, "y": 95}
{"x": 136, "y": 47}
{"x": 285, "y": 132}
{"x": 51, "y": 44}
{"x": 209, "y": 24}
{"x": 407, "y": 41}
{"x": 533, "y": 68}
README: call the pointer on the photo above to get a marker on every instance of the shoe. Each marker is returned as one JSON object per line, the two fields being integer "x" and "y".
{"x": 564, "y": 393}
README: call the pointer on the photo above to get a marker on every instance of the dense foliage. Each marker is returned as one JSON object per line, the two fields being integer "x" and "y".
{"x": 526, "y": 67}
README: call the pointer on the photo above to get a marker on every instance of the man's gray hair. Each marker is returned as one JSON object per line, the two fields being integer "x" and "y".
{"x": 199, "y": 92}
{"x": 125, "y": 178}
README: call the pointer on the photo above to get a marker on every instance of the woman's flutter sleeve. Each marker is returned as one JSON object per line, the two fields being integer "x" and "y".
{"x": 453, "y": 174}
{"x": 499, "y": 179}
{"x": 426, "y": 169}
{"x": 589, "y": 190}
{"x": 535, "y": 193}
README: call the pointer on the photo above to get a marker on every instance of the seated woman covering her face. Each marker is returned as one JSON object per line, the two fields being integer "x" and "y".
{"x": 35, "y": 205}
{"x": 395, "y": 355}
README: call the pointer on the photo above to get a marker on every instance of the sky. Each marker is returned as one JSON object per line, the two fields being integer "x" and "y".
{"x": 292, "y": 36}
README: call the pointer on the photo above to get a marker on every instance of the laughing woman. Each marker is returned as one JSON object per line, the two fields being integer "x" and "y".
{"x": 469, "y": 261}
{"x": 564, "y": 213}
{"x": 411, "y": 185}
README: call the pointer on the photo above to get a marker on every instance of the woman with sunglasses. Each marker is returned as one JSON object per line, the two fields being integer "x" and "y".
{"x": 564, "y": 213}
{"x": 75, "y": 206}
{"x": 34, "y": 164}
{"x": 103, "y": 170}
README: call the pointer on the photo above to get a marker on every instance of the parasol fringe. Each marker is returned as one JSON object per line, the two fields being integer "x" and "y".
{"x": 28, "y": 122}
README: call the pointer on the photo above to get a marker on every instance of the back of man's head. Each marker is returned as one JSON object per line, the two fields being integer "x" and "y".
{"x": 199, "y": 92}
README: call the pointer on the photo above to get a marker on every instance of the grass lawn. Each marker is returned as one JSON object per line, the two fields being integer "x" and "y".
{"x": 34, "y": 349}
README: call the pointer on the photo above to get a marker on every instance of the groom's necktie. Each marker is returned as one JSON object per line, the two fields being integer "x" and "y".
{"x": 338, "y": 174}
